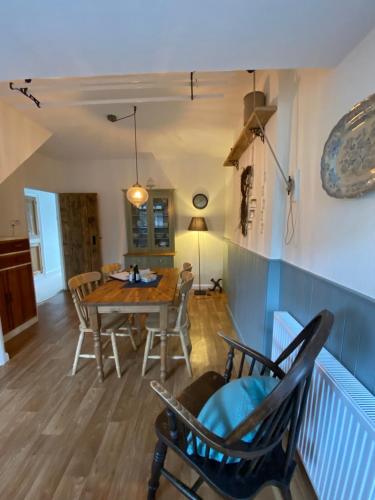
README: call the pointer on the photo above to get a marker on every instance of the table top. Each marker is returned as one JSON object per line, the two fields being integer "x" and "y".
{"x": 114, "y": 293}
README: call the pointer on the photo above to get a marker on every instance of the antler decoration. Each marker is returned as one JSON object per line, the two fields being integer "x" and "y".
{"x": 25, "y": 92}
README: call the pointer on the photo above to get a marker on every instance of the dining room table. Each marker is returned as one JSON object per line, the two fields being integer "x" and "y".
{"x": 117, "y": 296}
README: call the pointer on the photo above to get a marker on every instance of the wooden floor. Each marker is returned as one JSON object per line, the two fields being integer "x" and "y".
{"x": 64, "y": 437}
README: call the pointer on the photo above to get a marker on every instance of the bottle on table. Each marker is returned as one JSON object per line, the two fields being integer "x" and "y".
{"x": 131, "y": 274}
{"x": 137, "y": 276}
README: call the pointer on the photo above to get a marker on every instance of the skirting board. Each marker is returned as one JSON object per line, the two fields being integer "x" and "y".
{"x": 4, "y": 356}
{"x": 20, "y": 328}
{"x": 204, "y": 286}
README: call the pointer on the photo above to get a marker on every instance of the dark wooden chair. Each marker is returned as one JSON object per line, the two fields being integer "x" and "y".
{"x": 269, "y": 458}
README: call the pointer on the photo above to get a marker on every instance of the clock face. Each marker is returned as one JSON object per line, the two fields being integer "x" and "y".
{"x": 200, "y": 201}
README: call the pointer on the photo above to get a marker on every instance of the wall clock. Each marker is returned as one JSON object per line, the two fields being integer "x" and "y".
{"x": 200, "y": 201}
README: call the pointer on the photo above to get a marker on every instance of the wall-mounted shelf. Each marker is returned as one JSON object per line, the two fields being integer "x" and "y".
{"x": 249, "y": 132}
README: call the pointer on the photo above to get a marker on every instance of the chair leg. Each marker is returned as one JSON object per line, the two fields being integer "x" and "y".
{"x": 152, "y": 341}
{"x": 187, "y": 339}
{"x": 186, "y": 353}
{"x": 132, "y": 340}
{"x": 78, "y": 352}
{"x": 157, "y": 464}
{"x": 137, "y": 322}
{"x": 285, "y": 492}
{"x": 115, "y": 354}
{"x": 147, "y": 352}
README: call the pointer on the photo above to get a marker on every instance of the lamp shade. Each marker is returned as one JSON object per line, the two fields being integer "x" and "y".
{"x": 137, "y": 195}
{"x": 198, "y": 224}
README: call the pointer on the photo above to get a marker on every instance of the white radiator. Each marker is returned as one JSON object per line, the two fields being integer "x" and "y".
{"x": 337, "y": 439}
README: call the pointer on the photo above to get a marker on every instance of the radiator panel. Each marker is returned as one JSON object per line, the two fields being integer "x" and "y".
{"x": 337, "y": 438}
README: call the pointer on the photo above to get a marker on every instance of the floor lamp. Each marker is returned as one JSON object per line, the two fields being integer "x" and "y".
{"x": 198, "y": 224}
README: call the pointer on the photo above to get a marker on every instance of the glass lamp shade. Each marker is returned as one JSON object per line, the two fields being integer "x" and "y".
{"x": 197, "y": 224}
{"x": 137, "y": 195}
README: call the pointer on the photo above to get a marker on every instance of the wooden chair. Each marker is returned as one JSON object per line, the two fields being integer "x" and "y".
{"x": 115, "y": 267}
{"x": 177, "y": 327}
{"x": 187, "y": 269}
{"x": 185, "y": 275}
{"x": 108, "y": 269}
{"x": 268, "y": 459}
{"x": 113, "y": 325}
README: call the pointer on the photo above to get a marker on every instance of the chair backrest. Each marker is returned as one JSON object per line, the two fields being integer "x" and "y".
{"x": 186, "y": 269}
{"x": 185, "y": 288}
{"x": 108, "y": 269}
{"x": 281, "y": 410}
{"x": 284, "y": 406}
{"x": 80, "y": 286}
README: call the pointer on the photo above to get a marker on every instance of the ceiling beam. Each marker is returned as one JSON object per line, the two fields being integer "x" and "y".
{"x": 133, "y": 100}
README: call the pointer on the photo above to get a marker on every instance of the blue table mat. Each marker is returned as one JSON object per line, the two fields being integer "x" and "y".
{"x": 141, "y": 284}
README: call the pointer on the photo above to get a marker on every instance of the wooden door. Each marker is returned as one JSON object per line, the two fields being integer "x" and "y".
{"x": 80, "y": 233}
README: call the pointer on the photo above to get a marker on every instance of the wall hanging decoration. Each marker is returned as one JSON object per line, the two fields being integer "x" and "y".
{"x": 136, "y": 194}
{"x": 246, "y": 186}
{"x": 253, "y": 128}
{"x": 200, "y": 201}
{"x": 348, "y": 160}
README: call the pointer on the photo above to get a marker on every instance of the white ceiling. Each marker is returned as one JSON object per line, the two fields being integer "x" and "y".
{"x": 69, "y": 47}
{"x": 203, "y": 126}
{"x": 67, "y": 38}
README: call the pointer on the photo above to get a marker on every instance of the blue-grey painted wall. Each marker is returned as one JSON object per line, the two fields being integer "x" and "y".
{"x": 257, "y": 286}
{"x": 252, "y": 285}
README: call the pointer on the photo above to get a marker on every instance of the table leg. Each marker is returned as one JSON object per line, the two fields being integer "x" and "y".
{"x": 163, "y": 341}
{"x": 94, "y": 320}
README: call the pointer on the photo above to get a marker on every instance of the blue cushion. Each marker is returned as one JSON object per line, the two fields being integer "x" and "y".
{"x": 228, "y": 407}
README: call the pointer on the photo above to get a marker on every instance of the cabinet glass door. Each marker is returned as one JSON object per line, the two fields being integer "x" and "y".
{"x": 139, "y": 225}
{"x": 160, "y": 215}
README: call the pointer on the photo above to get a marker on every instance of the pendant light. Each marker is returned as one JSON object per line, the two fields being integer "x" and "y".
{"x": 137, "y": 194}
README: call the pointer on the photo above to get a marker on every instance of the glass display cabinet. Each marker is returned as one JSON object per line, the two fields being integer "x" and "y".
{"x": 150, "y": 231}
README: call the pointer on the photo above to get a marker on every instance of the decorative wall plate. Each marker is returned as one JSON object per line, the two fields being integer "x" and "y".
{"x": 348, "y": 161}
{"x": 200, "y": 201}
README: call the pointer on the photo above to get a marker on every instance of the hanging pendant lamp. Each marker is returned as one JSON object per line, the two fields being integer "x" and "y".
{"x": 137, "y": 194}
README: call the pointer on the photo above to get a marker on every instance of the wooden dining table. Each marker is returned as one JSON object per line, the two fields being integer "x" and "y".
{"x": 116, "y": 296}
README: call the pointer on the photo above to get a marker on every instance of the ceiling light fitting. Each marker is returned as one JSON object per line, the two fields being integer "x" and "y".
{"x": 136, "y": 194}
{"x": 25, "y": 92}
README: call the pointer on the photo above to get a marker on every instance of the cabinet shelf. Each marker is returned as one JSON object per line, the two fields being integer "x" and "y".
{"x": 151, "y": 243}
{"x": 247, "y": 135}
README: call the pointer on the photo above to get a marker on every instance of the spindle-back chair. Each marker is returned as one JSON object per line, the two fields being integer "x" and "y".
{"x": 113, "y": 325}
{"x": 268, "y": 459}
{"x": 108, "y": 269}
{"x": 177, "y": 327}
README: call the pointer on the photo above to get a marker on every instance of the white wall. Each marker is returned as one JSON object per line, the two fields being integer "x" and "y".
{"x": 50, "y": 281}
{"x": 265, "y": 233}
{"x": 188, "y": 174}
{"x": 20, "y": 137}
{"x": 333, "y": 238}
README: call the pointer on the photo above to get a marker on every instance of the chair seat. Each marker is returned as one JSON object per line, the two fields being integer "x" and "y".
{"x": 225, "y": 480}
{"x": 196, "y": 394}
{"x": 153, "y": 320}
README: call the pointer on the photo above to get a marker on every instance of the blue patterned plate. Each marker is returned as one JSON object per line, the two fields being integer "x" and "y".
{"x": 348, "y": 160}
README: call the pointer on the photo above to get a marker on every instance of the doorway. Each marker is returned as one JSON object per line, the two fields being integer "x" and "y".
{"x": 43, "y": 224}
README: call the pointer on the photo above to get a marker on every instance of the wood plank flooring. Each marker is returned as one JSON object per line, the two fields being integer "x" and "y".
{"x": 70, "y": 438}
